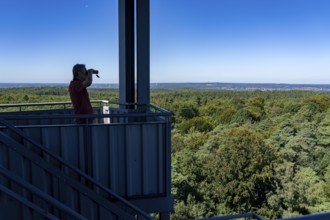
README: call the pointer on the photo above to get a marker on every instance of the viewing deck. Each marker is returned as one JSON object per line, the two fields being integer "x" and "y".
{"x": 118, "y": 164}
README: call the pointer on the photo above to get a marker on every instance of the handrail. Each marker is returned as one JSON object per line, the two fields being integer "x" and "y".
{"x": 82, "y": 116}
{"x": 164, "y": 111}
{"x": 92, "y": 101}
{"x": 39, "y": 193}
{"x": 47, "y": 103}
{"x": 79, "y": 172}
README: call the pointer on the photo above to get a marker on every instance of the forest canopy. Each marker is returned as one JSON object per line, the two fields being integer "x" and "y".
{"x": 236, "y": 151}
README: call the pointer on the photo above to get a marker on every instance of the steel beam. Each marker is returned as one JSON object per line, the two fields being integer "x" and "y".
{"x": 143, "y": 51}
{"x": 126, "y": 51}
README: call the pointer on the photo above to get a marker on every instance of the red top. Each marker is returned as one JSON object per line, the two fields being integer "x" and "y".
{"x": 80, "y": 99}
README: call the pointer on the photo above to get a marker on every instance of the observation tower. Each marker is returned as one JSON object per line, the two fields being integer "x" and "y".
{"x": 116, "y": 168}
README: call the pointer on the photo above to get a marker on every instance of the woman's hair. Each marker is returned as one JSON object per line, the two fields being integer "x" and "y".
{"x": 78, "y": 68}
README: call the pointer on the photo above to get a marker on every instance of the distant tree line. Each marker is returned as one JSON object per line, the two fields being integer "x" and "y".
{"x": 50, "y": 94}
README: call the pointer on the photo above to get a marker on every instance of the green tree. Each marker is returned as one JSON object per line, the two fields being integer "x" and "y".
{"x": 326, "y": 184}
{"x": 302, "y": 190}
{"x": 200, "y": 124}
{"x": 188, "y": 111}
{"x": 242, "y": 116}
{"x": 321, "y": 101}
{"x": 323, "y": 134}
{"x": 241, "y": 172}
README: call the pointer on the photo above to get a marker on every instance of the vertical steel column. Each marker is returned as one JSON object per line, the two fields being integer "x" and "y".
{"x": 126, "y": 51}
{"x": 143, "y": 51}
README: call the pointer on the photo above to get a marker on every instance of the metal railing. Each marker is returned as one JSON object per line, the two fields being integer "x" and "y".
{"x": 64, "y": 105}
{"x": 39, "y": 161}
{"x": 21, "y": 107}
{"x": 46, "y": 113}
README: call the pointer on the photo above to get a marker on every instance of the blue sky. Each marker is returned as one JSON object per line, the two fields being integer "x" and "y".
{"x": 250, "y": 41}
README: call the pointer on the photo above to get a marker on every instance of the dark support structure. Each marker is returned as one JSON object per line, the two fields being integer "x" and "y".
{"x": 143, "y": 51}
{"x": 126, "y": 51}
{"x": 120, "y": 166}
{"x": 127, "y": 39}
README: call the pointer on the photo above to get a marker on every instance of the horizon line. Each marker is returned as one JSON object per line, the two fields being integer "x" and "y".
{"x": 277, "y": 83}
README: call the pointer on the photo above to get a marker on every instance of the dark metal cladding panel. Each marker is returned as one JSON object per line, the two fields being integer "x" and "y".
{"x": 22, "y": 168}
{"x": 150, "y": 157}
{"x": 117, "y": 159}
{"x": 40, "y": 179}
{"x": 162, "y": 176}
{"x": 88, "y": 208}
{"x": 8, "y": 204}
{"x": 100, "y": 154}
{"x": 52, "y": 140}
{"x": 3, "y": 157}
{"x": 104, "y": 214}
{"x": 167, "y": 158}
{"x": 69, "y": 149}
{"x": 34, "y": 134}
{"x": 134, "y": 160}
{"x": 16, "y": 166}
{"x": 80, "y": 144}
{"x": 70, "y": 145}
